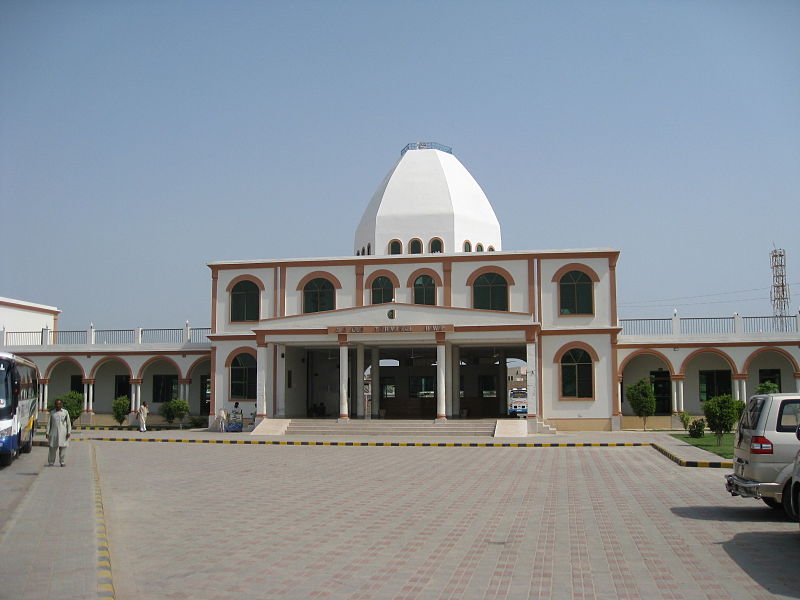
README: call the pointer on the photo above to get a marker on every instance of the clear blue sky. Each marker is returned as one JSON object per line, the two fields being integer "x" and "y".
{"x": 141, "y": 140}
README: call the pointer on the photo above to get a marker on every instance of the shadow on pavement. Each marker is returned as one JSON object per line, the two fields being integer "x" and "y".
{"x": 755, "y": 513}
{"x": 770, "y": 558}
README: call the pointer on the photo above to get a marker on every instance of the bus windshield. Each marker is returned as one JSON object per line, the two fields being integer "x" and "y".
{"x": 5, "y": 390}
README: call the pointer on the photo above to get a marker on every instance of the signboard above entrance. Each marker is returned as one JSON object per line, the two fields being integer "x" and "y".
{"x": 391, "y": 329}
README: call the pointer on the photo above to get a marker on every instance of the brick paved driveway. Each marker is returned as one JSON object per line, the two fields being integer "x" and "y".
{"x": 202, "y": 521}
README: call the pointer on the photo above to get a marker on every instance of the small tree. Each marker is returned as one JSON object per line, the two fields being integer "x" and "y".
{"x": 721, "y": 413}
{"x": 642, "y": 399}
{"x": 174, "y": 409}
{"x": 120, "y": 408}
{"x": 73, "y": 404}
{"x": 767, "y": 387}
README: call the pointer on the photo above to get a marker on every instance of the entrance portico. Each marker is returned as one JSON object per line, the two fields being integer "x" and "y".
{"x": 392, "y": 361}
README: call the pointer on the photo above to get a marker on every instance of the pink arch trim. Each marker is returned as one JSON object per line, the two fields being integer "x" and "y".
{"x": 154, "y": 359}
{"x": 651, "y": 352}
{"x": 716, "y": 351}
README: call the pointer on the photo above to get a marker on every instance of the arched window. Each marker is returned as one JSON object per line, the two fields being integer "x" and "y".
{"x": 479, "y": 248}
{"x": 243, "y": 377}
{"x": 437, "y": 245}
{"x": 358, "y": 253}
{"x": 576, "y": 374}
{"x": 490, "y": 292}
{"x": 490, "y": 248}
{"x": 318, "y": 295}
{"x": 415, "y": 247}
{"x": 576, "y": 294}
{"x": 395, "y": 247}
{"x": 467, "y": 247}
{"x": 369, "y": 249}
{"x": 425, "y": 290}
{"x": 244, "y": 302}
{"x": 382, "y": 290}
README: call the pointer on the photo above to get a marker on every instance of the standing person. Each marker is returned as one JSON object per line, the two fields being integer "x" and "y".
{"x": 59, "y": 428}
{"x": 144, "y": 410}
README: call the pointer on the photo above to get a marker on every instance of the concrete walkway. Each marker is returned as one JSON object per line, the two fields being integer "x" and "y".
{"x": 49, "y": 542}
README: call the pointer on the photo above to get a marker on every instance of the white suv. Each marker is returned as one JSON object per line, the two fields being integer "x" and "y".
{"x": 764, "y": 450}
{"x": 795, "y": 489}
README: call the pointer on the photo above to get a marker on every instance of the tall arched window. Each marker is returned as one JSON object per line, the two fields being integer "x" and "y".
{"x": 490, "y": 292}
{"x": 425, "y": 290}
{"x": 243, "y": 377}
{"x": 479, "y": 248}
{"x": 576, "y": 294}
{"x": 318, "y": 295}
{"x": 467, "y": 247}
{"x": 244, "y": 302}
{"x": 382, "y": 290}
{"x": 395, "y": 247}
{"x": 415, "y": 247}
{"x": 369, "y": 249}
{"x": 437, "y": 245}
{"x": 576, "y": 374}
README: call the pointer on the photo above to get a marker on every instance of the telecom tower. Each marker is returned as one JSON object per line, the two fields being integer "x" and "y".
{"x": 779, "y": 294}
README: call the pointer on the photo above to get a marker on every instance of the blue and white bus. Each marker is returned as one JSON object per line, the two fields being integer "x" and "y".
{"x": 19, "y": 406}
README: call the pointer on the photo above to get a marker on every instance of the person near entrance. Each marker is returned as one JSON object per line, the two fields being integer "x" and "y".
{"x": 59, "y": 428}
{"x": 144, "y": 410}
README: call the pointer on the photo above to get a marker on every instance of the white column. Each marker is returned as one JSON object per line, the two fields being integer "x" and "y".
{"x": 797, "y": 384}
{"x": 133, "y": 398}
{"x": 43, "y": 396}
{"x": 456, "y": 385}
{"x": 448, "y": 375}
{"x": 261, "y": 366}
{"x": 441, "y": 382}
{"x": 280, "y": 383}
{"x": 680, "y": 394}
{"x": 344, "y": 368}
{"x": 674, "y": 391}
{"x": 359, "y": 380}
{"x": 736, "y": 387}
{"x": 743, "y": 395}
{"x": 375, "y": 373}
{"x": 91, "y": 397}
{"x": 502, "y": 378}
{"x": 269, "y": 381}
{"x": 85, "y": 396}
{"x": 531, "y": 379}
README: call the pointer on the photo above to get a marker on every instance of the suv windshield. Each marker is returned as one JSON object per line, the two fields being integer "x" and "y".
{"x": 752, "y": 413}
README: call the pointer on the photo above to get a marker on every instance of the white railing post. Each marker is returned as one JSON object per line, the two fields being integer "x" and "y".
{"x": 187, "y": 332}
{"x": 90, "y": 334}
{"x": 46, "y": 336}
{"x": 798, "y": 321}
{"x": 738, "y": 324}
{"x": 3, "y": 336}
{"x": 138, "y": 334}
{"x": 676, "y": 324}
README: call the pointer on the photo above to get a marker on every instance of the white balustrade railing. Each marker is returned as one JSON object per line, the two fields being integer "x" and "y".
{"x": 92, "y": 336}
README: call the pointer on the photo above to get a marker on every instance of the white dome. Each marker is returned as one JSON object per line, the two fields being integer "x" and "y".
{"x": 428, "y": 194}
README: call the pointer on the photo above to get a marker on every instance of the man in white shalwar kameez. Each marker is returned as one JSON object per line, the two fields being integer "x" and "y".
{"x": 59, "y": 428}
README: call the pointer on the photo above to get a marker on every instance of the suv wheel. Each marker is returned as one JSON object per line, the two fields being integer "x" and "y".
{"x": 788, "y": 506}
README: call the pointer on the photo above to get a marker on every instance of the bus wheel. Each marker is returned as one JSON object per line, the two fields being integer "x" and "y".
{"x": 28, "y": 446}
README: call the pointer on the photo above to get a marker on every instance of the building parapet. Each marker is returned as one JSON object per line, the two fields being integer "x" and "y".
{"x": 92, "y": 336}
{"x": 736, "y": 325}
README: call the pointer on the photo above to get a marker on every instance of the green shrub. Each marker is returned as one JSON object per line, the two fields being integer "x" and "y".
{"x": 685, "y": 418}
{"x": 174, "y": 409}
{"x": 73, "y": 404}
{"x": 642, "y": 399}
{"x": 120, "y": 408}
{"x": 721, "y": 413}
{"x": 767, "y": 387}
{"x": 697, "y": 428}
{"x": 198, "y": 422}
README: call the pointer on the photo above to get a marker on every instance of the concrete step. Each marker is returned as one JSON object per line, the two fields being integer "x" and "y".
{"x": 388, "y": 428}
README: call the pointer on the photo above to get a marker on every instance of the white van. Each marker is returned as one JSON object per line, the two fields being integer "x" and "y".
{"x": 764, "y": 450}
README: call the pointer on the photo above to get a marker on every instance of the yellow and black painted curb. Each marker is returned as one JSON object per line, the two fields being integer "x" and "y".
{"x": 720, "y": 464}
{"x": 724, "y": 464}
{"x": 105, "y": 581}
